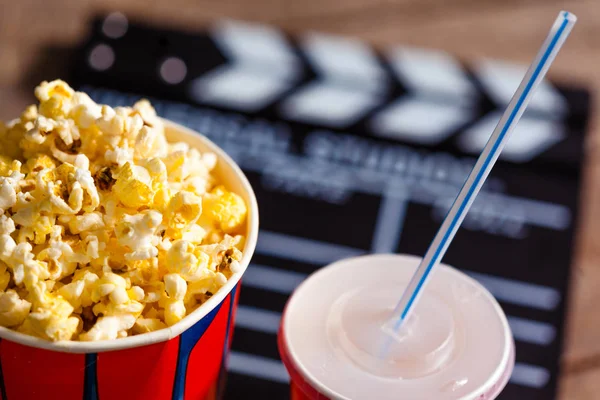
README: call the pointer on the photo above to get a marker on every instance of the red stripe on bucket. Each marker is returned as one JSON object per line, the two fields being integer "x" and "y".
{"x": 205, "y": 358}
{"x": 33, "y": 374}
{"x": 142, "y": 373}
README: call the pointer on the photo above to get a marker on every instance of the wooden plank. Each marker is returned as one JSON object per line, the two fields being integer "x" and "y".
{"x": 582, "y": 350}
{"x": 583, "y": 386}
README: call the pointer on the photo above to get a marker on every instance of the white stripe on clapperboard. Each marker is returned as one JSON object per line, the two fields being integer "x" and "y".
{"x": 428, "y": 75}
{"x": 261, "y": 66}
{"x": 419, "y": 120}
{"x": 350, "y": 82}
{"x": 321, "y": 253}
{"x": 500, "y": 80}
{"x": 431, "y": 72}
{"x": 531, "y": 137}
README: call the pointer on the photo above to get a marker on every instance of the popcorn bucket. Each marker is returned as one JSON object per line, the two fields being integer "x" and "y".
{"x": 184, "y": 361}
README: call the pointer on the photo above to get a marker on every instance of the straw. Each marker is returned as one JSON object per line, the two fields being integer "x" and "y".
{"x": 536, "y": 72}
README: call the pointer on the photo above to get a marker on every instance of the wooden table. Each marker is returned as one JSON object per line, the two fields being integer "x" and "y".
{"x": 511, "y": 30}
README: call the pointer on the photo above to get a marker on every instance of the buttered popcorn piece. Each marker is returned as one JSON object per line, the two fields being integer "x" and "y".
{"x": 223, "y": 210}
{"x": 138, "y": 233}
{"x": 134, "y": 186}
{"x": 106, "y": 229}
{"x": 13, "y": 309}
{"x": 176, "y": 288}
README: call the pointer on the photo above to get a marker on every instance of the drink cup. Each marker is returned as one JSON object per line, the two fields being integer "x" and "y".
{"x": 184, "y": 361}
{"x": 336, "y": 341}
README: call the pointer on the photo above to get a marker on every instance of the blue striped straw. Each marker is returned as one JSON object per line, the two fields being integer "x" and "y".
{"x": 536, "y": 72}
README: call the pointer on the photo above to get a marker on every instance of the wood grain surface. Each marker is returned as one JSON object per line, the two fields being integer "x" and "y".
{"x": 472, "y": 29}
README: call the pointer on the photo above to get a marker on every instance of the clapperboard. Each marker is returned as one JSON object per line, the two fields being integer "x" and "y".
{"x": 352, "y": 150}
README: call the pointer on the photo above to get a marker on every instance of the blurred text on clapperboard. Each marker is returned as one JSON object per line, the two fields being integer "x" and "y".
{"x": 352, "y": 150}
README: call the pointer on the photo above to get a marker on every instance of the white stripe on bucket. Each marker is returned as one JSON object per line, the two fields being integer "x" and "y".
{"x": 257, "y": 366}
{"x": 302, "y": 249}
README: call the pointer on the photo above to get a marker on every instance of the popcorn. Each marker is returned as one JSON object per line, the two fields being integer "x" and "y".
{"x": 177, "y": 167}
{"x": 145, "y": 110}
{"x": 46, "y": 90}
{"x": 195, "y": 234}
{"x": 210, "y": 160}
{"x": 174, "y": 312}
{"x": 109, "y": 327}
{"x": 183, "y": 210}
{"x": 67, "y": 131}
{"x": 13, "y": 309}
{"x": 110, "y": 123}
{"x": 79, "y": 291}
{"x": 30, "y": 113}
{"x": 93, "y": 246}
{"x": 120, "y": 155}
{"x": 154, "y": 292}
{"x": 107, "y": 284}
{"x": 145, "y": 325}
{"x": 40, "y": 162}
{"x": 51, "y": 315}
{"x": 175, "y": 286}
{"x": 84, "y": 112}
{"x": 86, "y": 222}
{"x": 4, "y": 276}
{"x": 138, "y": 232}
{"x": 183, "y": 259}
{"x": 145, "y": 142}
{"x": 84, "y": 178}
{"x": 9, "y": 186}
{"x": 106, "y": 229}
{"x": 133, "y": 186}
{"x": 225, "y": 210}
{"x": 136, "y": 293}
{"x": 5, "y": 163}
{"x": 7, "y": 225}
{"x": 7, "y": 247}
{"x": 8, "y": 193}
{"x": 40, "y": 130}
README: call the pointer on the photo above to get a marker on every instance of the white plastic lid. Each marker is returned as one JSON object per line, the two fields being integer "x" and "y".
{"x": 457, "y": 345}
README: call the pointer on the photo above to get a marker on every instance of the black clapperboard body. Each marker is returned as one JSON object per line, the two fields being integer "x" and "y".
{"x": 353, "y": 151}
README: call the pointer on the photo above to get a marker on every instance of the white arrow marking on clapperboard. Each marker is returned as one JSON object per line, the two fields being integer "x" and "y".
{"x": 419, "y": 120}
{"x": 350, "y": 82}
{"x": 501, "y": 79}
{"x": 531, "y": 137}
{"x": 428, "y": 72}
{"x": 416, "y": 117}
{"x": 261, "y": 66}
